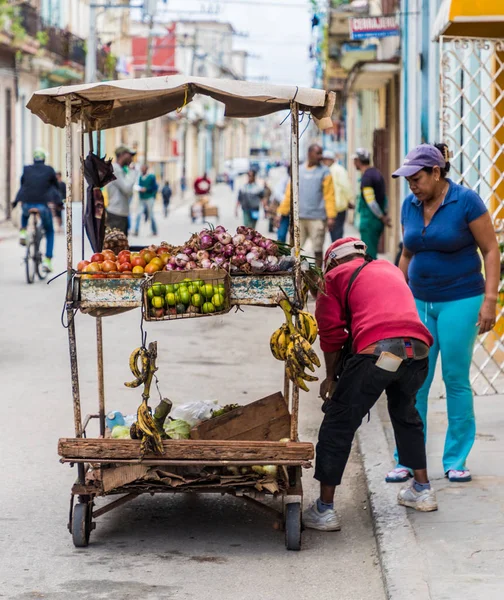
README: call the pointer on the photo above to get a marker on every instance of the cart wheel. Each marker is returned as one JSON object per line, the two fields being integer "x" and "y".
{"x": 293, "y": 526}
{"x": 81, "y": 524}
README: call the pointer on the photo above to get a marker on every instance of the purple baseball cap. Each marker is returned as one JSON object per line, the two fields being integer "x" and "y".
{"x": 422, "y": 156}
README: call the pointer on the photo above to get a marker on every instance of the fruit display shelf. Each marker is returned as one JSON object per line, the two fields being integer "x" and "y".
{"x": 246, "y": 290}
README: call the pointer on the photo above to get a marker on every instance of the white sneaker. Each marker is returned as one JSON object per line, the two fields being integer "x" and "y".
{"x": 323, "y": 521}
{"x": 424, "y": 501}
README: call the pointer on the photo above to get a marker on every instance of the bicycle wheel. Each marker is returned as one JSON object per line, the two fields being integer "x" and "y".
{"x": 39, "y": 267}
{"x": 30, "y": 260}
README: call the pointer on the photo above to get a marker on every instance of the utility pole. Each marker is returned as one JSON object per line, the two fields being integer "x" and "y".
{"x": 90, "y": 70}
{"x": 148, "y": 73}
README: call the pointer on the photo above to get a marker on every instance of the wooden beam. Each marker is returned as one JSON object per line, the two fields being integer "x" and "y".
{"x": 204, "y": 450}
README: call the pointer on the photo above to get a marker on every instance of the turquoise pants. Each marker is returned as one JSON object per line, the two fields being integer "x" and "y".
{"x": 453, "y": 327}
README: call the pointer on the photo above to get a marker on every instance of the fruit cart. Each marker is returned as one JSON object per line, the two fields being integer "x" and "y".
{"x": 117, "y": 467}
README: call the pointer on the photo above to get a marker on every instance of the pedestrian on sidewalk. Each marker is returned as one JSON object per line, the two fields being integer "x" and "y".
{"x": 317, "y": 204}
{"x": 59, "y": 206}
{"x": 373, "y": 342}
{"x": 444, "y": 227}
{"x": 342, "y": 192}
{"x": 166, "y": 192}
{"x": 147, "y": 190}
{"x": 39, "y": 188}
{"x": 120, "y": 190}
{"x": 284, "y": 220}
{"x": 250, "y": 198}
{"x": 372, "y": 206}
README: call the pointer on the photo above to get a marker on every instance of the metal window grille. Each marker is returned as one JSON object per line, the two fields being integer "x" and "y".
{"x": 472, "y": 124}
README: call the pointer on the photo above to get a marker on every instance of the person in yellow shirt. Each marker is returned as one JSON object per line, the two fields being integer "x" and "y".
{"x": 317, "y": 202}
{"x": 342, "y": 190}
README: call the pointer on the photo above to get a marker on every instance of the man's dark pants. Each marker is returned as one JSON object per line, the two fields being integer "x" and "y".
{"x": 338, "y": 230}
{"x": 360, "y": 386}
{"x": 117, "y": 222}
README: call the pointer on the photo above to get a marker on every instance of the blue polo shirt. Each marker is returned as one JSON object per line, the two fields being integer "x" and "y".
{"x": 446, "y": 264}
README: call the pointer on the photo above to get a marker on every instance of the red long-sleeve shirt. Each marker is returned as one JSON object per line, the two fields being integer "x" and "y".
{"x": 381, "y": 304}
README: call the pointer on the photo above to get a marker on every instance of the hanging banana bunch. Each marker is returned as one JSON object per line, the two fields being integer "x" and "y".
{"x": 293, "y": 344}
{"x": 145, "y": 427}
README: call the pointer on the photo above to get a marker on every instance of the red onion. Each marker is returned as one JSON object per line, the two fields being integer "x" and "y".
{"x": 240, "y": 250}
{"x": 181, "y": 260}
{"x": 172, "y": 261}
{"x": 220, "y": 229}
{"x": 261, "y": 252}
{"x": 224, "y": 237}
{"x": 229, "y": 250}
{"x": 258, "y": 239}
{"x": 248, "y": 245}
{"x": 187, "y": 250}
{"x": 206, "y": 263}
{"x": 251, "y": 256}
{"x": 194, "y": 255}
{"x": 191, "y": 265}
{"x": 271, "y": 260}
{"x": 238, "y": 239}
{"x": 218, "y": 248}
{"x": 249, "y": 236}
{"x": 201, "y": 255}
{"x": 242, "y": 229}
{"x": 225, "y": 265}
{"x": 238, "y": 260}
{"x": 206, "y": 241}
{"x": 214, "y": 265}
{"x": 219, "y": 260}
{"x": 179, "y": 269}
{"x": 169, "y": 267}
{"x": 271, "y": 248}
{"x": 257, "y": 266}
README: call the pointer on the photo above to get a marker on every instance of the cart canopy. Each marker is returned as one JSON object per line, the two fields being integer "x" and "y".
{"x": 115, "y": 103}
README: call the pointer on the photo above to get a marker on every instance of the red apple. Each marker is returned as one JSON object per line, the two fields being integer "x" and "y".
{"x": 125, "y": 266}
{"x": 99, "y": 276}
{"x": 138, "y": 261}
{"x": 98, "y": 257}
{"x": 109, "y": 266}
{"x": 109, "y": 255}
{"x": 82, "y": 264}
{"x": 124, "y": 256}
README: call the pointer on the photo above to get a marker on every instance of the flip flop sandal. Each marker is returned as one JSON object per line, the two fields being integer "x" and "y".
{"x": 459, "y": 476}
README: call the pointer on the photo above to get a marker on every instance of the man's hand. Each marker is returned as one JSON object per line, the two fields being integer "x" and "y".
{"x": 330, "y": 224}
{"x": 386, "y": 220}
{"x": 327, "y": 388}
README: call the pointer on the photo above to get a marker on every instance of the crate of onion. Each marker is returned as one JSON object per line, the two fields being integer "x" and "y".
{"x": 169, "y": 295}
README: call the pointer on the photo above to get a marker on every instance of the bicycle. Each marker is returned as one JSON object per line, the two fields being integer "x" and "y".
{"x": 33, "y": 257}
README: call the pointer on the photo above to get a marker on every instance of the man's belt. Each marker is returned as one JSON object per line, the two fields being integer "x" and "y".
{"x": 402, "y": 347}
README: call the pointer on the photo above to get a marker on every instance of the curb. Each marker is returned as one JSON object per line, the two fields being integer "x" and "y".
{"x": 403, "y": 567}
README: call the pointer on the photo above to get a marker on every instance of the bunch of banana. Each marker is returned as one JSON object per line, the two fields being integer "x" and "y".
{"x": 292, "y": 344}
{"x": 145, "y": 427}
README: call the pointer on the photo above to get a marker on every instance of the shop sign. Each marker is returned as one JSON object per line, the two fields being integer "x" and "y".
{"x": 373, "y": 27}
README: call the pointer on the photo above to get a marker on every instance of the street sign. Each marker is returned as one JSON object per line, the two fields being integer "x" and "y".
{"x": 373, "y": 27}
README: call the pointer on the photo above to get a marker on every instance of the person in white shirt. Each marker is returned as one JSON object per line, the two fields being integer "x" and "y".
{"x": 343, "y": 192}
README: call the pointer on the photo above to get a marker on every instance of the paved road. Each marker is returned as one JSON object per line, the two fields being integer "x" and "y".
{"x": 184, "y": 547}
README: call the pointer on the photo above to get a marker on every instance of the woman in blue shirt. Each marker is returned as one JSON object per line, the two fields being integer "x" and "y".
{"x": 444, "y": 226}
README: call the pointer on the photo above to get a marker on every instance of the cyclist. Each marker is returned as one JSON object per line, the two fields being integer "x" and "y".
{"x": 39, "y": 187}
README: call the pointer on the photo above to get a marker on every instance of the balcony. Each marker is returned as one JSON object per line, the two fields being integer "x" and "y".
{"x": 68, "y": 47}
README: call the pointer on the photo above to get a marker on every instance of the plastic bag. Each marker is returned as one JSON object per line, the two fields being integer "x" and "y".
{"x": 178, "y": 429}
{"x": 195, "y": 412}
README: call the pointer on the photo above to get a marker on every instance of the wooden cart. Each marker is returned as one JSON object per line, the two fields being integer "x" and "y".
{"x": 115, "y": 465}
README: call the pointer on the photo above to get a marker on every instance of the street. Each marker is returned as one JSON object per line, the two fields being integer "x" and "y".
{"x": 182, "y": 546}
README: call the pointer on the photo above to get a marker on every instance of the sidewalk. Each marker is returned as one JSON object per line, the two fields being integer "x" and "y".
{"x": 7, "y": 230}
{"x": 458, "y": 551}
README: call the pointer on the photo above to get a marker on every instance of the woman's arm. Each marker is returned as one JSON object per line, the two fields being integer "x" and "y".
{"x": 405, "y": 259}
{"x": 484, "y": 234}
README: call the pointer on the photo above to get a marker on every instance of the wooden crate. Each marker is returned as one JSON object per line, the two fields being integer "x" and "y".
{"x": 266, "y": 419}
